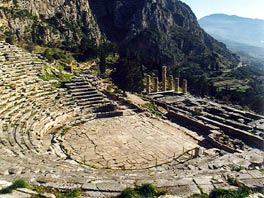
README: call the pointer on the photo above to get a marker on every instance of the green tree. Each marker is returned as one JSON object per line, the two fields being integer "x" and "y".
{"x": 10, "y": 38}
{"x": 128, "y": 76}
{"x": 105, "y": 49}
{"x": 102, "y": 64}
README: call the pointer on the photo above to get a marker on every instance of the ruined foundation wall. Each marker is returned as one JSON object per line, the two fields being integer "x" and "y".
{"x": 197, "y": 124}
{"x": 246, "y": 137}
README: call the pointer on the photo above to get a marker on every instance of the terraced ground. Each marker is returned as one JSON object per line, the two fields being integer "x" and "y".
{"x": 54, "y": 137}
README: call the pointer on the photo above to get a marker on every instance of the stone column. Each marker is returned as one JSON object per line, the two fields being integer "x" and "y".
{"x": 196, "y": 151}
{"x": 148, "y": 84}
{"x": 171, "y": 87}
{"x": 184, "y": 86}
{"x": 177, "y": 83}
{"x": 164, "y": 78}
{"x": 156, "y": 84}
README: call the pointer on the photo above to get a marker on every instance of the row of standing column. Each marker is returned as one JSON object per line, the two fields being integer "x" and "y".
{"x": 173, "y": 84}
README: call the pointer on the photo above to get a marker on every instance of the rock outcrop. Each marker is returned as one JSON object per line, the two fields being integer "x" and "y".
{"x": 61, "y": 23}
{"x": 160, "y": 29}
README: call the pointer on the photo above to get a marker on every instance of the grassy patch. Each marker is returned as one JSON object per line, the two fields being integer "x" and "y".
{"x": 238, "y": 168}
{"x": 71, "y": 194}
{"x": 199, "y": 196}
{"x": 47, "y": 76}
{"x": 234, "y": 182}
{"x": 112, "y": 59}
{"x": 129, "y": 193}
{"x": 63, "y": 59}
{"x": 16, "y": 184}
{"x": 51, "y": 73}
{"x": 153, "y": 108}
{"x": 144, "y": 191}
{"x": 56, "y": 54}
{"x": 223, "y": 193}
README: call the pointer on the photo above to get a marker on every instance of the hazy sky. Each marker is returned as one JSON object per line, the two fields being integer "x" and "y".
{"x": 244, "y": 8}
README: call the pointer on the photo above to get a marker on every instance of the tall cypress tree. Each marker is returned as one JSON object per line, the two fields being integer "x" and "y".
{"x": 128, "y": 75}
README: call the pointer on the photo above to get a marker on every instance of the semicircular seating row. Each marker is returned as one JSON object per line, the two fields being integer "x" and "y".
{"x": 29, "y": 106}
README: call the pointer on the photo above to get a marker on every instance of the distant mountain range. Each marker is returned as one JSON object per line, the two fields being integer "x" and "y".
{"x": 238, "y": 33}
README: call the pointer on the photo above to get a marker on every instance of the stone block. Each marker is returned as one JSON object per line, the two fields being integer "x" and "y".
{"x": 89, "y": 187}
{"x": 110, "y": 186}
{"x": 204, "y": 183}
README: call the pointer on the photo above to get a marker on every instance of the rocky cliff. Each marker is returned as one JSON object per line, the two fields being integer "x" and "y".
{"x": 159, "y": 31}
{"x": 164, "y": 30}
{"x": 62, "y": 23}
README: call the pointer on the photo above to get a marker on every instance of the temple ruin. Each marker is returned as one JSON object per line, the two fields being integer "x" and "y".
{"x": 168, "y": 84}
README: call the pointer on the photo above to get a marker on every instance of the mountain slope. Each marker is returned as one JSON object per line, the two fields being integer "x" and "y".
{"x": 160, "y": 31}
{"x": 238, "y": 48}
{"x": 57, "y": 23}
{"x": 235, "y": 29}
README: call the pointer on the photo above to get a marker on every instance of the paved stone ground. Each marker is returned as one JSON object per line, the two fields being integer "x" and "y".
{"x": 136, "y": 99}
{"x": 129, "y": 142}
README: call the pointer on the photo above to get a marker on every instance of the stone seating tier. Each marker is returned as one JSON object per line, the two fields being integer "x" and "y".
{"x": 29, "y": 107}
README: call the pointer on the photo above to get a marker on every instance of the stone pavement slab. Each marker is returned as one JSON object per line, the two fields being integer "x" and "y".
{"x": 127, "y": 142}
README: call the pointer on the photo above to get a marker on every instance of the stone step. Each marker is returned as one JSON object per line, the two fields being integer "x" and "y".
{"x": 9, "y": 103}
{"x": 87, "y": 97}
{"x": 11, "y": 112}
{"x": 77, "y": 84}
{"x": 11, "y": 142}
{"x": 84, "y": 89}
{"x": 3, "y": 138}
{"x": 246, "y": 136}
{"x": 17, "y": 136}
{"x": 92, "y": 102}
{"x": 228, "y": 122}
{"x": 84, "y": 93}
{"x": 179, "y": 109}
{"x": 228, "y": 114}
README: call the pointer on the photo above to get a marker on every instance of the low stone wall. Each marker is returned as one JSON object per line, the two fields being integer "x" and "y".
{"x": 195, "y": 123}
{"x": 109, "y": 114}
{"x": 246, "y": 137}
